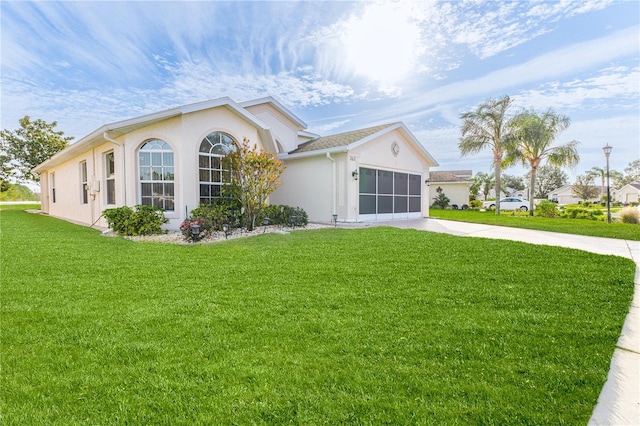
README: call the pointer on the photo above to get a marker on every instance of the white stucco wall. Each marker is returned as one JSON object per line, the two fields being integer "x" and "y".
{"x": 307, "y": 183}
{"x": 284, "y": 130}
{"x": 68, "y": 186}
{"x": 377, "y": 154}
{"x": 627, "y": 194}
{"x": 458, "y": 193}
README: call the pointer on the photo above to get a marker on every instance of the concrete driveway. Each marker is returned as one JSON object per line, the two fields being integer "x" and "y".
{"x": 619, "y": 401}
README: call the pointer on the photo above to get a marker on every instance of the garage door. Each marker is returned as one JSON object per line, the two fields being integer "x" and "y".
{"x": 386, "y": 195}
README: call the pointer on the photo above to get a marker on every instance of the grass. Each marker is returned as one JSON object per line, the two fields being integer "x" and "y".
{"x": 625, "y": 231}
{"x": 334, "y": 326}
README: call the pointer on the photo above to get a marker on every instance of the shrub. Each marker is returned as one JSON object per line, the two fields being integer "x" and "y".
{"x": 440, "y": 201}
{"x": 141, "y": 220}
{"x": 224, "y": 211}
{"x": 630, "y": 215}
{"x": 583, "y": 214}
{"x": 475, "y": 204}
{"x": 205, "y": 228}
{"x": 281, "y": 215}
{"x": 547, "y": 209}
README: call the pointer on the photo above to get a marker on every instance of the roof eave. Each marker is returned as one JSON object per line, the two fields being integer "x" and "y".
{"x": 314, "y": 153}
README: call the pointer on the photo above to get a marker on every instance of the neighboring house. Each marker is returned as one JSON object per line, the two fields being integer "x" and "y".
{"x": 630, "y": 193}
{"x": 454, "y": 184}
{"x": 172, "y": 160}
{"x": 564, "y": 195}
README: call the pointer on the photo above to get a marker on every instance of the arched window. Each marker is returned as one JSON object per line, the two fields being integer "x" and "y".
{"x": 155, "y": 160}
{"x": 213, "y": 171}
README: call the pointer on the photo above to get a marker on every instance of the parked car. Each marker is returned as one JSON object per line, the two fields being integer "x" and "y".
{"x": 508, "y": 203}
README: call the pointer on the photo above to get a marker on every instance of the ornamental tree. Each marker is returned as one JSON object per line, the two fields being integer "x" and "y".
{"x": 255, "y": 174}
{"x": 33, "y": 143}
{"x": 584, "y": 189}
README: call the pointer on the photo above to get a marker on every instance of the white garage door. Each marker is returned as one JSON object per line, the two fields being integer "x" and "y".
{"x": 386, "y": 195}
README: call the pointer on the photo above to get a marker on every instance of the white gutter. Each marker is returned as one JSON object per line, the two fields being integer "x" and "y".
{"x": 334, "y": 182}
{"x": 108, "y": 138}
{"x": 314, "y": 153}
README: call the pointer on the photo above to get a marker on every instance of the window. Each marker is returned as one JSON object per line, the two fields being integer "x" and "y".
{"x": 213, "y": 171}
{"x": 386, "y": 192}
{"x": 84, "y": 183}
{"x": 155, "y": 161}
{"x": 110, "y": 167}
{"x": 52, "y": 181}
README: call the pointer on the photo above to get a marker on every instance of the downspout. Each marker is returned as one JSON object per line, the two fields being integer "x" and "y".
{"x": 92, "y": 195}
{"x": 334, "y": 183}
{"x": 108, "y": 138}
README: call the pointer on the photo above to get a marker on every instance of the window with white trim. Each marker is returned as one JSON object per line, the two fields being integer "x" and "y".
{"x": 84, "y": 183}
{"x": 110, "y": 172}
{"x": 213, "y": 171}
{"x": 156, "y": 168}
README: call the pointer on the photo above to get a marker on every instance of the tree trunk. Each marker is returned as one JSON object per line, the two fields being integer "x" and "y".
{"x": 496, "y": 166}
{"x": 532, "y": 189}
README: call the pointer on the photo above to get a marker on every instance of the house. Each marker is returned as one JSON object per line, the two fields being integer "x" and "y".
{"x": 630, "y": 193}
{"x": 564, "y": 195}
{"x": 454, "y": 184}
{"x": 172, "y": 160}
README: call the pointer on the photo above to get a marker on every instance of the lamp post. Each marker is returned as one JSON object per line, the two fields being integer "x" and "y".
{"x": 265, "y": 223}
{"x": 607, "y": 151}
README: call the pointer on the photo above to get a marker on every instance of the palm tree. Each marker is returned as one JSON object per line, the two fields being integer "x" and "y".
{"x": 482, "y": 182}
{"x": 596, "y": 172}
{"x": 486, "y": 127}
{"x": 533, "y": 136}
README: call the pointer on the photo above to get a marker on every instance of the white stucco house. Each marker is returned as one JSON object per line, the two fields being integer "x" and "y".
{"x": 171, "y": 160}
{"x": 454, "y": 184}
{"x": 564, "y": 195}
{"x": 630, "y": 193}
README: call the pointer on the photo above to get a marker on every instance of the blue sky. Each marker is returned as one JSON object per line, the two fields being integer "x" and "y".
{"x": 337, "y": 65}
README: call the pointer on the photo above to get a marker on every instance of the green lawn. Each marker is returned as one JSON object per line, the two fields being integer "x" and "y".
{"x": 333, "y": 326}
{"x": 592, "y": 228}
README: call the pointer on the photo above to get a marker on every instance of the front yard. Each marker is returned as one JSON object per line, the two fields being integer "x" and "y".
{"x": 333, "y": 326}
{"x": 624, "y": 231}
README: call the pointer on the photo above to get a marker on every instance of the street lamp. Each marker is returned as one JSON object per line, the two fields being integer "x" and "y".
{"x": 607, "y": 151}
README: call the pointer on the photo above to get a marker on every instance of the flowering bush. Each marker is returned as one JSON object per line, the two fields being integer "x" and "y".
{"x": 187, "y": 231}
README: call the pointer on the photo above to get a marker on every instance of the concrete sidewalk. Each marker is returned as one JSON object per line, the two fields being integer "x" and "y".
{"x": 619, "y": 401}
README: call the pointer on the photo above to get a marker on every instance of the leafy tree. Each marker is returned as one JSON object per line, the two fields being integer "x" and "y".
{"x": 617, "y": 179}
{"x": 548, "y": 179}
{"x": 482, "y": 183}
{"x": 255, "y": 174}
{"x": 584, "y": 188}
{"x": 487, "y": 127}
{"x": 515, "y": 182}
{"x": 33, "y": 143}
{"x": 631, "y": 173}
{"x": 533, "y": 136}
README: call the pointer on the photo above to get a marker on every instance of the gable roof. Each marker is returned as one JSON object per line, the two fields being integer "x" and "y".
{"x": 346, "y": 141}
{"x": 338, "y": 140}
{"x": 635, "y": 185}
{"x": 450, "y": 176}
{"x": 113, "y": 130}
{"x": 278, "y": 106}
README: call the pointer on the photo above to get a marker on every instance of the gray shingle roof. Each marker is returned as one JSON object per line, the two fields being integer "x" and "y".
{"x": 340, "y": 139}
{"x": 450, "y": 176}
